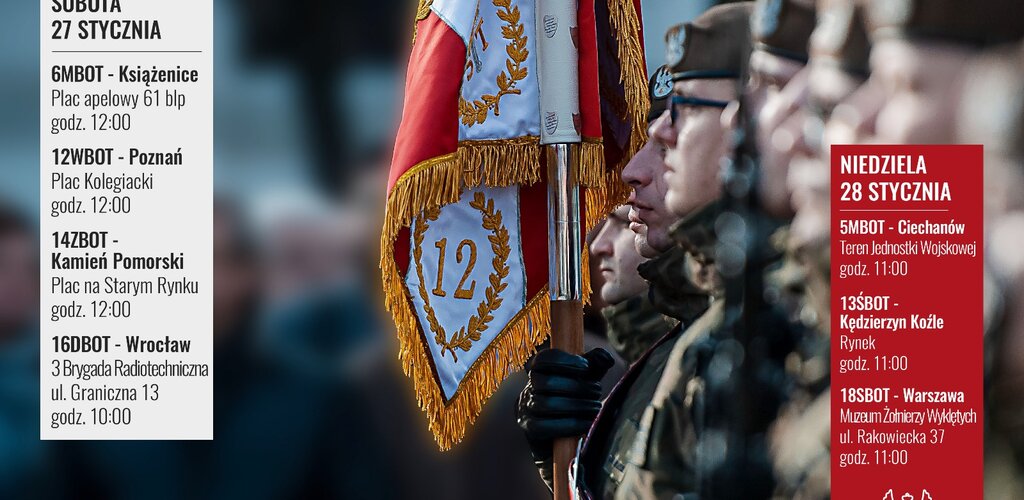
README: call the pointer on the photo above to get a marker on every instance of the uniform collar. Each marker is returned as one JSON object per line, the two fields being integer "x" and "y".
{"x": 672, "y": 291}
{"x": 634, "y": 325}
{"x": 695, "y": 233}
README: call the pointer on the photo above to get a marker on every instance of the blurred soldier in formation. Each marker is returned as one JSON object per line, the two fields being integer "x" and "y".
{"x": 838, "y": 65}
{"x": 706, "y": 58}
{"x": 922, "y": 58}
{"x": 992, "y": 114}
{"x": 781, "y": 29}
{"x": 920, "y": 49}
{"x": 920, "y": 52}
{"x": 819, "y": 73}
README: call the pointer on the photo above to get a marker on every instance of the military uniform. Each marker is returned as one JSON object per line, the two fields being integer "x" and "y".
{"x": 800, "y": 439}
{"x": 634, "y": 325}
{"x": 662, "y": 460}
{"x": 657, "y": 457}
{"x": 993, "y": 115}
{"x": 641, "y": 330}
{"x": 605, "y": 453}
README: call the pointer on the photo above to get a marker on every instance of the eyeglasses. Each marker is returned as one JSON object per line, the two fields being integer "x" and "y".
{"x": 681, "y": 100}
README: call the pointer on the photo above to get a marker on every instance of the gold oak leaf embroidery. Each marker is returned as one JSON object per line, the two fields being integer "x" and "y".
{"x": 422, "y": 11}
{"x": 476, "y": 112}
{"x": 477, "y": 324}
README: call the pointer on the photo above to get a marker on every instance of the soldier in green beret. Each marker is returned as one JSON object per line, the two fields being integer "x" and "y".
{"x": 992, "y": 114}
{"x": 707, "y": 58}
{"x": 837, "y": 68}
{"x": 780, "y": 30}
{"x": 562, "y": 398}
{"x": 920, "y": 49}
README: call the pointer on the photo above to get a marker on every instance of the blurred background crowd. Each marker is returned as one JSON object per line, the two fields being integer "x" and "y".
{"x": 310, "y": 399}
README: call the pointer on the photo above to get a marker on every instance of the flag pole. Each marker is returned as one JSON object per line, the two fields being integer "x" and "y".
{"x": 558, "y": 78}
{"x": 564, "y": 280}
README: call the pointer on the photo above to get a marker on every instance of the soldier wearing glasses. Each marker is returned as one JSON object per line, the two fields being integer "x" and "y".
{"x": 641, "y": 444}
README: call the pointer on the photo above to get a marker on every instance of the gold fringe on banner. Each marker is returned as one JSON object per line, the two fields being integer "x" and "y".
{"x": 601, "y": 201}
{"x": 613, "y": 192}
{"x": 633, "y": 73}
{"x": 585, "y": 266}
{"x": 498, "y": 163}
{"x": 438, "y": 182}
{"x": 591, "y": 172}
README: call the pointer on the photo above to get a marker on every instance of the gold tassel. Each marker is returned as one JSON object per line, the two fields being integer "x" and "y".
{"x": 585, "y": 275}
{"x": 591, "y": 169}
{"x": 432, "y": 184}
{"x": 508, "y": 352}
{"x": 605, "y": 190}
{"x": 500, "y": 162}
{"x": 623, "y": 19}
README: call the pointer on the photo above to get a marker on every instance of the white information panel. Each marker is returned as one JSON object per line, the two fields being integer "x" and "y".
{"x": 126, "y": 192}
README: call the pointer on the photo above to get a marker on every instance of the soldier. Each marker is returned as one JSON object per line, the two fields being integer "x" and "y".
{"x": 777, "y": 59}
{"x": 919, "y": 51}
{"x": 836, "y": 72}
{"x": 633, "y": 323}
{"x": 562, "y": 397}
{"x": 781, "y": 29}
{"x": 837, "y": 68}
{"x": 707, "y": 58}
{"x": 992, "y": 114}
{"x": 838, "y": 65}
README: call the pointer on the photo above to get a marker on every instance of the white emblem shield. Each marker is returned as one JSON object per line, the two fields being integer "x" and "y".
{"x": 466, "y": 278}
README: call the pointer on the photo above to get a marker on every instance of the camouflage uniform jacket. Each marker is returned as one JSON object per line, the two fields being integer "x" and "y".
{"x": 605, "y": 450}
{"x": 655, "y": 458}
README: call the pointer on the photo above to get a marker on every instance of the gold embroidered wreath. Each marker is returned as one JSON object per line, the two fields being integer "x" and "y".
{"x": 499, "y": 239}
{"x": 476, "y": 112}
{"x": 422, "y": 11}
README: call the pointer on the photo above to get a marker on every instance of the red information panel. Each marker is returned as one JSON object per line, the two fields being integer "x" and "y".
{"x": 907, "y": 322}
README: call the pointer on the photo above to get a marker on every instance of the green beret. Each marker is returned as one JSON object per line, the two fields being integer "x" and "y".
{"x": 841, "y": 37}
{"x": 978, "y": 22}
{"x": 660, "y": 87}
{"x": 783, "y": 27}
{"x": 715, "y": 45}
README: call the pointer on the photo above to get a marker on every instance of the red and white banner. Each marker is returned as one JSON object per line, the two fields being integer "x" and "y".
{"x": 464, "y": 243}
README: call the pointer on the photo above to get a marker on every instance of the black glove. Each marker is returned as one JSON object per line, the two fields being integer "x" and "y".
{"x": 561, "y": 399}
